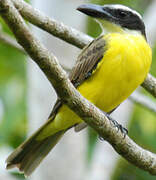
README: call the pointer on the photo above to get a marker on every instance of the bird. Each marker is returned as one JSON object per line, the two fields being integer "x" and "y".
{"x": 106, "y": 72}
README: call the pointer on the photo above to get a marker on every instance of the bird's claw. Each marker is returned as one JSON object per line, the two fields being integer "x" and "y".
{"x": 123, "y": 130}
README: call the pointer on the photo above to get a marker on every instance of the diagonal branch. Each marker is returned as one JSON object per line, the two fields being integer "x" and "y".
{"x": 140, "y": 99}
{"x": 66, "y": 33}
{"x": 53, "y": 27}
{"x": 4, "y": 38}
{"x": 58, "y": 29}
{"x": 69, "y": 95}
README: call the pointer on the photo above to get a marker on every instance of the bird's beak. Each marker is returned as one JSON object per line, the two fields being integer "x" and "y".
{"x": 95, "y": 11}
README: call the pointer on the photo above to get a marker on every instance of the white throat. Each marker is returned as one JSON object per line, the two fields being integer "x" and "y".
{"x": 133, "y": 32}
{"x": 108, "y": 27}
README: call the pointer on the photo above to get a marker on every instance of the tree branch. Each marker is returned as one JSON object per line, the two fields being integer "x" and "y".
{"x": 69, "y": 95}
{"x": 150, "y": 84}
{"x": 4, "y": 38}
{"x": 140, "y": 99}
{"x": 66, "y": 33}
{"x": 69, "y": 35}
{"x": 55, "y": 28}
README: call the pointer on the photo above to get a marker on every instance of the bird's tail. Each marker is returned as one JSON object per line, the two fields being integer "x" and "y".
{"x": 30, "y": 154}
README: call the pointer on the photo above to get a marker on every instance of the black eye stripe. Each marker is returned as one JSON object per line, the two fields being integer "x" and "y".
{"x": 122, "y": 14}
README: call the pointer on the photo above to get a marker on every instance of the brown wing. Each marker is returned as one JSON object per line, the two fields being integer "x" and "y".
{"x": 86, "y": 63}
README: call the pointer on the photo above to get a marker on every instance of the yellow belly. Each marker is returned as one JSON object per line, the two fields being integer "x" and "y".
{"x": 123, "y": 68}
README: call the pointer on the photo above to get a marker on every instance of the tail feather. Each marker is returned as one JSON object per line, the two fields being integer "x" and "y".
{"x": 30, "y": 154}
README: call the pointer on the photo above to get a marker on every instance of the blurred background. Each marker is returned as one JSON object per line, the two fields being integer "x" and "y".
{"x": 26, "y": 99}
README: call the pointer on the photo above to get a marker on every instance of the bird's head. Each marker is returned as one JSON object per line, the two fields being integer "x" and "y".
{"x": 115, "y": 18}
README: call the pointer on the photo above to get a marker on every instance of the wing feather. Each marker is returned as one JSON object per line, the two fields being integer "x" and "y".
{"x": 85, "y": 64}
{"x": 87, "y": 61}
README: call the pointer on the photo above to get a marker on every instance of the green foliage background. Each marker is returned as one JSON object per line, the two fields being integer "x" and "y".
{"x": 12, "y": 94}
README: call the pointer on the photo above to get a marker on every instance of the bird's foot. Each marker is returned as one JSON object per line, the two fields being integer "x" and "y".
{"x": 119, "y": 127}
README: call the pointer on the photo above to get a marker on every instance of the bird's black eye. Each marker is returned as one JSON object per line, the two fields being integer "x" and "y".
{"x": 121, "y": 14}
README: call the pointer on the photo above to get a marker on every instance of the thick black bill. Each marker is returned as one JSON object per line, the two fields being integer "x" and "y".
{"x": 93, "y": 10}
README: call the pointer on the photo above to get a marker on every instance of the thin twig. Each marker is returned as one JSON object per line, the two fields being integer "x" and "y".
{"x": 69, "y": 95}
{"x": 143, "y": 101}
{"x": 4, "y": 38}
{"x": 10, "y": 41}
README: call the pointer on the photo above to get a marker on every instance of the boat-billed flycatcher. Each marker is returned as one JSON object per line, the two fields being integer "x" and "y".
{"x": 107, "y": 71}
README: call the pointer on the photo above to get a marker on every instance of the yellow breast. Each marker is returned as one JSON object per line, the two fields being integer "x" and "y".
{"x": 123, "y": 68}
